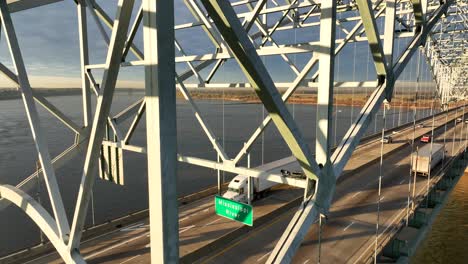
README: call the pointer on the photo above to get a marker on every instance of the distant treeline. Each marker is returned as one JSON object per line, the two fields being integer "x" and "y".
{"x": 404, "y": 95}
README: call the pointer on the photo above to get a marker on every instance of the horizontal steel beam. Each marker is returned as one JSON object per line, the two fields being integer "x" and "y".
{"x": 252, "y": 172}
{"x": 21, "y": 5}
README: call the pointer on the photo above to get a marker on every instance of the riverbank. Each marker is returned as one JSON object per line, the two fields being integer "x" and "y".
{"x": 247, "y": 95}
{"x": 9, "y": 94}
{"x": 302, "y": 96}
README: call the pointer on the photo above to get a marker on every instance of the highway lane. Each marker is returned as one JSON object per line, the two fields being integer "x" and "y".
{"x": 137, "y": 233}
{"x": 198, "y": 223}
{"x": 351, "y": 224}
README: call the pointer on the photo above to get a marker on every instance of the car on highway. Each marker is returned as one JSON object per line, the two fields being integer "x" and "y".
{"x": 466, "y": 121}
{"x": 426, "y": 139}
{"x": 387, "y": 139}
{"x": 458, "y": 120}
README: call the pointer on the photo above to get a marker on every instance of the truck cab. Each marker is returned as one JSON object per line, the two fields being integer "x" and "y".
{"x": 237, "y": 189}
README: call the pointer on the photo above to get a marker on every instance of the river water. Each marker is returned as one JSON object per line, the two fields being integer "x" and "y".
{"x": 231, "y": 122}
{"x": 446, "y": 241}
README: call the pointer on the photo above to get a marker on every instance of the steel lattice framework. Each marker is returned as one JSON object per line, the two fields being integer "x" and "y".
{"x": 244, "y": 31}
{"x": 447, "y": 52}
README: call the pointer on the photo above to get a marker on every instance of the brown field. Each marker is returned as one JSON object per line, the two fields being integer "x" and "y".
{"x": 342, "y": 99}
{"x": 301, "y": 96}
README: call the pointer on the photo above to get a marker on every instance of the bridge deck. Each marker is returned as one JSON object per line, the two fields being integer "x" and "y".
{"x": 349, "y": 234}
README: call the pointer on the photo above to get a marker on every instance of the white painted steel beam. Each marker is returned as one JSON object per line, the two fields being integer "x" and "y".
{"x": 295, "y": 232}
{"x": 99, "y": 25}
{"x": 128, "y": 112}
{"x": 445, "y": 53}
{"x": 324, "y": 125}
{"x": 104, "y": 101}
{"x": 133, "y": 31}
{"x": 373, "y": 36}
{"x": 297, "y": 229}
{"x": 189, "y": 64}
{"x": 199, "y": 15}
{"x": 37, "y": 131}
{"x": 161, "y": 132}
{"x": 21, "y": 5}
{"x": 235, "y": 36}
{"x": 56, "y": 112}
{"x": 84, "y": 60}
{"x": 41, "y": 218}
{"x": 109, "y": 23}
{"x": 309, "y": 210}
{"x": 305, "y": 71}
{"x": 348, "y": 144}
{"x": 252, "y": 172}
{"x": 326, "y": 80}
{"x": 135, "y": 122}
{"x": 389, "y": 31}
{"x": 42, "y": 101}
{"x": 204, "y": 125}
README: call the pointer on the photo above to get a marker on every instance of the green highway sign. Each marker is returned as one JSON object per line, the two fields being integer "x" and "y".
{"x": 234, "y": 210}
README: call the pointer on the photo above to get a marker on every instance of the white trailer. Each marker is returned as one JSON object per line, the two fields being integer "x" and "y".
{"x": 425, "y": 158}
{"x": 238, "y": 187}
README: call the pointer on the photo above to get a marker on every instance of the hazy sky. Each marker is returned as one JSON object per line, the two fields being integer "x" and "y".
{"x": 49, "y": 42}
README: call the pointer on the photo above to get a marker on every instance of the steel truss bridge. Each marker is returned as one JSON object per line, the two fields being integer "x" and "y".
{"x": 243, "y": 31}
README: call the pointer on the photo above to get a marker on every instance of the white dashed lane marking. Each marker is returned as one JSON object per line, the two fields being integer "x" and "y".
{"x": 264, "y": 256}
{"x": 348, "y": 226}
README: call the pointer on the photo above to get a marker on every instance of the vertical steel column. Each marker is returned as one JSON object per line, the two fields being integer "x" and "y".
{"x": 389, "y": 32}
{"x": 84, "y": 59}
{"x": 327, "y": 181}
{"x": 326, "y": 77}
{"x": 306, "y": 215}
{"x": 249, "y": 182}
{"x": 324, "y": 128}
{"x": 218, "y": 174}
{"x": 158, "y": 21}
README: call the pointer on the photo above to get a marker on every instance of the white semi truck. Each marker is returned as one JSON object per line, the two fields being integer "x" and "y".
{"x": 425, "y": 159}
{"x": 238, "y": 188}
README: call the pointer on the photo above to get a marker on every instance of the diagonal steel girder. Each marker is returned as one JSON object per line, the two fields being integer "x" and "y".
{"x": 104, "y": 102}
{"x": 311, "y": 208}
{"x": 108, "y": 22}
{"x": 307, "y": 213}
{"x": 198, "y": 115}
{"x": 312, "y": 62}
{"x": 368, "y": 19}
{"x": 39, "y": 136}
{"x": 42, "y": 101}
{"x": 245, "y": 53}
